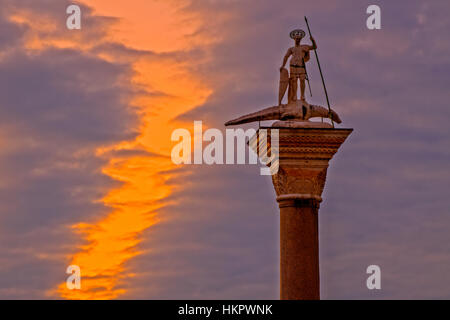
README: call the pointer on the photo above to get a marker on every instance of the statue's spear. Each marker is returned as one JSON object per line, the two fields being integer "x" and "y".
{"x": 321, "y": 75}
{"x": 307, "y": 77}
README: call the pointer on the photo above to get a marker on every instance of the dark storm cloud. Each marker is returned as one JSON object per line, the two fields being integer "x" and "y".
{"x": 386, "y": 189}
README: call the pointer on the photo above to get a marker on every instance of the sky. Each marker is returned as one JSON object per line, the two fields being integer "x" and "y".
{"x": 86, "y": 176}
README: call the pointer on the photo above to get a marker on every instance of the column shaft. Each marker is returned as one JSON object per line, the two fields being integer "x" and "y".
{"x": 299, "y": 250}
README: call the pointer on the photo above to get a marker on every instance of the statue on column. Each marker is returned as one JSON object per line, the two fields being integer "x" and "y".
{"x": 300, "y": 55}
{"x": 296, "y": 113}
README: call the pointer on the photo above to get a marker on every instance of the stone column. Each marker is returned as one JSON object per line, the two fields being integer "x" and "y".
{"x": 304, "y": 154}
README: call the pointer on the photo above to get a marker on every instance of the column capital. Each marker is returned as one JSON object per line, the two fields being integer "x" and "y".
{"x": 304, "y": 154}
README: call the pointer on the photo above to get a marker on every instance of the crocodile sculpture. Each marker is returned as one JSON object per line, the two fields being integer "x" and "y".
{"x": 300, "y": 111}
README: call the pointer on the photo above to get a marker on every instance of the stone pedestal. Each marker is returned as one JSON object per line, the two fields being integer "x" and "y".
{"x": 304, "y": 154}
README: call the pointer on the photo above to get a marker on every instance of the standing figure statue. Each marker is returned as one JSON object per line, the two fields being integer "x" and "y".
{"x": 296, "y": 113}
{"x": 300, "y": 55}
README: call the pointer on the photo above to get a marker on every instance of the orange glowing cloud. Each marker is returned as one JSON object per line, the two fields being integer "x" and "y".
{"x": 113, "y": 240}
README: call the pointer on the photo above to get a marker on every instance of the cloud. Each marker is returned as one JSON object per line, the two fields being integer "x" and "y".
{"x": 384, "y": 197}
{"x": 57, "y": 106}
{"x": 61, "y": 99}
{"x": 214, "y": 239}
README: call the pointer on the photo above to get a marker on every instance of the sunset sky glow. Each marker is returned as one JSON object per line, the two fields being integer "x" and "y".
{"x": 86, "y": 118}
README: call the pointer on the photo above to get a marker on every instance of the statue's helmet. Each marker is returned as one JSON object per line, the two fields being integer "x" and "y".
{"x": 297, "y": 34}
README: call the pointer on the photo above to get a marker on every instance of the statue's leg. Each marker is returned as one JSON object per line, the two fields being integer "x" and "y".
{"x": 290, "y": 91}
{"x": 293, "y": 89}
{"x": 302, "y": 89}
